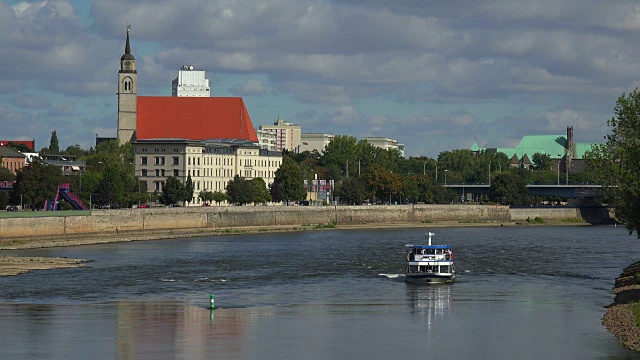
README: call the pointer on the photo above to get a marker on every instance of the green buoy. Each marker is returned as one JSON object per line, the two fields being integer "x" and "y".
{"x": 213, "y": 306}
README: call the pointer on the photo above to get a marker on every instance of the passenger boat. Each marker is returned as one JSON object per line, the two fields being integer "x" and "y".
{"x": 429, "y": 263}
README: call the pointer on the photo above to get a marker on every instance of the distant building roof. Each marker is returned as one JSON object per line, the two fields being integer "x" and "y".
{"x": 552, "y": 145}
{"x": 195, "y": 118}
{"x": 10, "y": 153}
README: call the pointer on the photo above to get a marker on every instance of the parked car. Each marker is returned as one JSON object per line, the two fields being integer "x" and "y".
{"x": 13, "y": 208}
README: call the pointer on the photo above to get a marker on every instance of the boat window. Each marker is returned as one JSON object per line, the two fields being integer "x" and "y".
{"x": 444, "y": 268}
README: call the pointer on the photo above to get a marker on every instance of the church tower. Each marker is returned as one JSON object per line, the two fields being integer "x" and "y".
{"x": 127, "y": 95}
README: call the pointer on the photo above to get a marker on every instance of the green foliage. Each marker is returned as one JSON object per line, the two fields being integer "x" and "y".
{"x": 173, "y": 191}
{"x": 536, "y": 220}
{"x": 20, "y": 147}
{"x": 509, "y": 188}
{"x": 206, "y": 196}
{"x": 219, "y": 197}
{"x": 5, "y": 199}
{"x": 36, "y": 183}
{"x": 54, "y": 147}
{"x": 260, "y": 191}
{"x": 352, "y": 191}
{"x": 287, "y": 184}
{"x": 75, "y": 150}
{"x": 616, "y": 164}
{"x": 542, "y": 161}
{"x": 240, "y": 191}
{"x": 6, "y": 174}
{"x": 188, "y": 190}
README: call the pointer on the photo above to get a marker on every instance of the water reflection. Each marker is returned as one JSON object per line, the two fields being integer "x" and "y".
{"x": 431, "y": 301}
{"x": 123, "y": 330}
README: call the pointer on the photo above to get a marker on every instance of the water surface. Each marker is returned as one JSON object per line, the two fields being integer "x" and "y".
{"x": 522, "y": 292}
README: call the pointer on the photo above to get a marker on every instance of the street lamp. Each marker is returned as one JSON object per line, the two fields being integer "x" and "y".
{"x": 424, "y": 168}
{"x": 558, "y": 172}
{"x": 489, "y": 173}
{"x": 445, "y": 177}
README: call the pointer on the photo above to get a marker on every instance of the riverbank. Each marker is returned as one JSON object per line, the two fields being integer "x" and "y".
{"x": 619, "y": 318}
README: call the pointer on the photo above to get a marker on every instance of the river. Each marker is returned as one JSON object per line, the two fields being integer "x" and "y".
{"x": 525, "y": 292}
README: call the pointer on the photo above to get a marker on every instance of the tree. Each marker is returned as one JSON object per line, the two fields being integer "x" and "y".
{"x": 188, "y": 190}
{"x": 615, "y": 164}
{"x": 6, "y": 174}
{"x": 542, "y": 161}
{"x": 287, "y": 184}
{"x": 20, "y": 147}
{"x": 54, "y": 147}
{"x": 352, "y": 191}
{"x": 509, "y": 188}
{"x": 172, "y": 192}
{"x": 36, "y": 183}
{"x": 240, "y": 191}
{"x": 219, "y": 197}
{"x": 260, "y": 191}
{"x": 205, "y": 196}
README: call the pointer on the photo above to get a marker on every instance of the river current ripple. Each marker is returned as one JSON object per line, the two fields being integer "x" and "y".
{"x": 525, "y": 292}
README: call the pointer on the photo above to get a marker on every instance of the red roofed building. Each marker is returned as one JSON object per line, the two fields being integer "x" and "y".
{"x": 31, "y": 144}
{"x": 193, "y": 118}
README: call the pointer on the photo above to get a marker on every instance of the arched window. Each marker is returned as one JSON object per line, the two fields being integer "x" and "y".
{"x": 127, "y": 84}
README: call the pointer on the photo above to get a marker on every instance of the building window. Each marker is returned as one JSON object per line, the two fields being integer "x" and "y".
{"x": 158, "y": 172}
{"x": 176, "y": 160}
{"x": 162, "y": 172}
{"x": 144, "y": 172}
{"x": 160, "y": 160}
{"x": 143, "y": 160}
{"x": 175, "y": 173}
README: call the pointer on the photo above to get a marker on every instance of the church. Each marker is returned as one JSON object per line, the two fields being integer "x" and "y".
{"x": 210, "y": 139}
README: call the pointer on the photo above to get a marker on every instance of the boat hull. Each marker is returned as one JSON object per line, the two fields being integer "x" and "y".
{"x": 430, "y": 278}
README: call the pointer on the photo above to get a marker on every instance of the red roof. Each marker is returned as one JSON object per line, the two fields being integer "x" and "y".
{"x": 31, "y": 144}
{"x": 193, "y": 118}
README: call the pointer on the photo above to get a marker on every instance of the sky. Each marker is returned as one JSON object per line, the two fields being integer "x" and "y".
{"x": 435, "y": 75}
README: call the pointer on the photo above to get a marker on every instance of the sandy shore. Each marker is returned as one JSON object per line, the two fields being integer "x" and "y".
{"x": 618, "y": 319}
{"x": 11, "y": 265}
{"x": 16, "y": 265}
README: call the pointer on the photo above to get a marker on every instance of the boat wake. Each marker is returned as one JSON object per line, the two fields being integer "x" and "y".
{"x": 391, "y": 276}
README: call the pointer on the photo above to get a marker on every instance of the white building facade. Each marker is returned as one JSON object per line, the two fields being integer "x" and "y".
{"x": 287, "y": 135}
{"x": 266, "y": 139}
{"x": 315, "y": 141}
{"x": 210, "y": 163}
{"x": 190, "y": 83}
{"x": 385, "y": 143}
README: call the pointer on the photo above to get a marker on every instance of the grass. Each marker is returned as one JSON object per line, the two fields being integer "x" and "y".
{"x": 537, "y": 220}
{"x": 573, "y": 220}
{"x": 325, "y": 226}
{"x": 635, "y": 309}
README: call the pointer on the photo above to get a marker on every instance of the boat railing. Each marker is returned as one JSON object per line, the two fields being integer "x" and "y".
{"x": 432, "y": 257}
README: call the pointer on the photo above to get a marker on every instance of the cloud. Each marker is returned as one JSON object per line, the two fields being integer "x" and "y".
{"x": 448, "y": 71}
{"x": 249, "y": 87}
{"x": 63, "y": 109}
{"x": 32, "y": 102}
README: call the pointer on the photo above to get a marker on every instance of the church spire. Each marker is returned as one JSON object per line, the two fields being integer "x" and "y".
{"x": 127, "y": 48}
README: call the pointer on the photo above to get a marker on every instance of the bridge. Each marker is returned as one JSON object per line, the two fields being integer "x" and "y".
{"x": 576, "y": 191}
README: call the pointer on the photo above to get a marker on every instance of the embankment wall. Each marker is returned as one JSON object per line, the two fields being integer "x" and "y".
{"x": 140, "y": 220}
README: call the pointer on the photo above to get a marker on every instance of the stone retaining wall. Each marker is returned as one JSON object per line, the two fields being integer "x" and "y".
{"x": 107, "y": 221}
